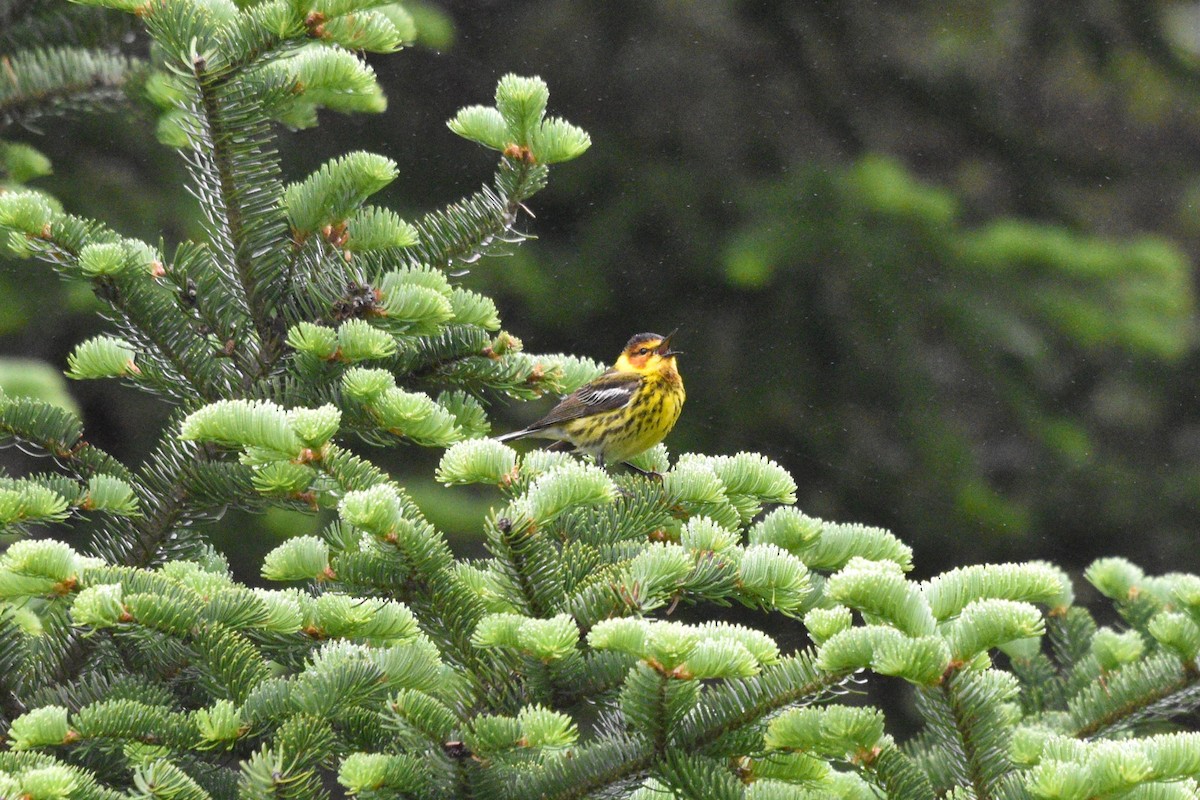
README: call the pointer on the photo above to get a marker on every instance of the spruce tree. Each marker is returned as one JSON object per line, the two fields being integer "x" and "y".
{"x": 307, "y": 322}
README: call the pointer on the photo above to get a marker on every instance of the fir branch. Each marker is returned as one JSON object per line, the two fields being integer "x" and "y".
{"x": 967, "y": 730}
{"x": 150, "y": 533}
{"x": 728, "y": 707}
{"x": 517, "y": 548}
{"x": 662, "y": 720}
{"x": 1158, "y": 687}
{"x": 39, "y": 426}
{"x": 606, "y": 763}
{"x": 447, "y": 608}
{"x": 202, "y": 294}
{"x": 178, "y": 487}
{"x": 225, "y": 214}
{"x": 237, "y": 180}
{"x": 434, "y": 354}
{"x": 899, "y": 776}
{"x": 737, "y": 704}
{"x": 472, "y": 228}
{"x": 142, "y": 313}
{"x": 181, "y": 373}
{"x": 11, "y": 651}
{"x": 41, "y": 82}
{"x": 970, "y": 771}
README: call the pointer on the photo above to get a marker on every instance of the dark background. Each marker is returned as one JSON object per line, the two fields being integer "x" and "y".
{"x": 939, "y": 263}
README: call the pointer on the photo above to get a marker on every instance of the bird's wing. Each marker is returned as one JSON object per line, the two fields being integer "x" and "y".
{"x": 610, "y": 391}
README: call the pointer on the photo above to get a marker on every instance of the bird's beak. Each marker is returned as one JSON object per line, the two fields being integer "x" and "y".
{"x": 665, "y": 350}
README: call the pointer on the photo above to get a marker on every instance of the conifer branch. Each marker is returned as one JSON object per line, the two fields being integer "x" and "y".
{"x": 227, "y": 214}
{"x": 469, "y": 229}
{"x": 138, "y": 543}
{"x": 11, "y": 705}
{"x": 40, "y": 82}
{"x": 155, "y": 528}
{"x": 518, "y": 566}
{"x": 662, "y": 720}
{"x": 739, "y": 704}
{"x": 898, "y": 776}
{"x": 1179, "y": 695}
{"x": 137, "y": 312}
{"x": 53, "y": 431}
{"x": 136, "y": 539}
{"x": 432, "y": 587}
{"x": 964, "y": 726}
{"x": 153, "y": 338}
{"x": 795, "y": 680}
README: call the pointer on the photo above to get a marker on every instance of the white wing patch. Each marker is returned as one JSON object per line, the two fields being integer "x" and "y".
{"x": 613, "y": 393}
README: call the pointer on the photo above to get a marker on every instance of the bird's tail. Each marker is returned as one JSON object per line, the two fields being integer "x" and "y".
{"x": 557, "y": 447}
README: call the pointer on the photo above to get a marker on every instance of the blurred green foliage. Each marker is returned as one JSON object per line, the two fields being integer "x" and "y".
{"x": 938, "y": 261}
{"x": 24, "y": 377}
{"x": 944, "y": 349}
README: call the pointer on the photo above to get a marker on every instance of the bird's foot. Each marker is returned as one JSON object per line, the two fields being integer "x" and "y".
{"x": 646, "y": 473}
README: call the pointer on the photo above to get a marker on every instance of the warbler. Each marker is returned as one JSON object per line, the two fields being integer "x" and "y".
{"x": 625, "y": 411}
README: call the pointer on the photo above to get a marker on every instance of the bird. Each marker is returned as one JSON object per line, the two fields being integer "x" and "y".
{"x": 624, "y": 412}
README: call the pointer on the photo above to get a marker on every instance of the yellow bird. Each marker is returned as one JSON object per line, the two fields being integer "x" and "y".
{"x": 625, "y": 411}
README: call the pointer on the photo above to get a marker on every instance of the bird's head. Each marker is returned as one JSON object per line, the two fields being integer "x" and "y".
{"x": 647, "y": 353}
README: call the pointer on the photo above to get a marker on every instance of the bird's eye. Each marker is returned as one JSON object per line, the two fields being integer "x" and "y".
{"x": 643, "y": 351}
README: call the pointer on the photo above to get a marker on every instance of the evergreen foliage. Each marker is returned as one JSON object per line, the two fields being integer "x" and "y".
{"x": 132, "y": 665}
